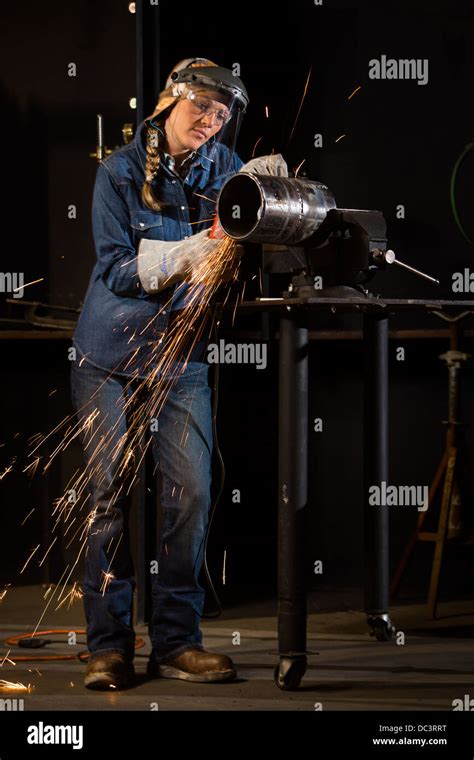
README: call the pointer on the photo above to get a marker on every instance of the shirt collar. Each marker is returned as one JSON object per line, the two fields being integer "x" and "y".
{"x": 199, "y": 157}
{"x": 185, "y": 165}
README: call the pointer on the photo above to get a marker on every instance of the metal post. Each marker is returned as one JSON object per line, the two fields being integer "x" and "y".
{"x": 292, "y": 485}
{"x": 147, "y": 56}
{"x": 376, "y": 523}
{"x": 148, "y": 88}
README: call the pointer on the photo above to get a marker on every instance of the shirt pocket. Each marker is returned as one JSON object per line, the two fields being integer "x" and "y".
{"x": 147, "y": 224}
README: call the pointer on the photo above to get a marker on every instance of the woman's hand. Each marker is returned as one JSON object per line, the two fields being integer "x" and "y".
{"x": 213, "y": 266}
{"x": 163, "y": 263}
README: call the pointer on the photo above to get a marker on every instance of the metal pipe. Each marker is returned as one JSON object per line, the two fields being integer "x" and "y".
{"x": 268, "y": 209}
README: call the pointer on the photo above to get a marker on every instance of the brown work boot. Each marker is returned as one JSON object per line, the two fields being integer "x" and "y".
{"x": 195, "y": 665}
{"x": 109, "y": 671}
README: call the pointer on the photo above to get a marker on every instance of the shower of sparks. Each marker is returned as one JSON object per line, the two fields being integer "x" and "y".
{"x": 237, "y": 302}
{"x": 266, "y": 111}
{"x": 12, "y": 686}
{"x": 27, "y": 516}
{"x": 33, "y": 438}
{"x": 4, "y": 591}
{"x": 339, "y": 138}
{"x": 353, "y": 93}
{"x": 52, "y": 595}
{"x": 7, "y": 659}
{"x": 299, "y": 167}
{"x": 143, "y": 401}
{"x": 32, "y": 553}
{"x": 301, "y": 103}
{"x": 48, "y": 550}
{"x": 31, "y": 468}
{"x": 255, "y": 147}
{"x": 7, "y": 469}
{"x": 90, "y": 519}
{"x": 108, "y": 577}
{"x": 213, "y": 200}
{"x": 73, "y": 595}
{"x": 28, "y": 283}
{"x": 223, "y": 568}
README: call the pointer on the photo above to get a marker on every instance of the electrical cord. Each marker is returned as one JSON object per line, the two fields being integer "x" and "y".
{"x": 215, "y": 389}
{"x": 452, "y": 193}
{"x": 29, "y": 641}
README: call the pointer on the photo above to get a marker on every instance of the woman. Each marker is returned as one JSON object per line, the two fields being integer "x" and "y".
{"x": 153, "y": 204}
{"x": 151, "y": 189}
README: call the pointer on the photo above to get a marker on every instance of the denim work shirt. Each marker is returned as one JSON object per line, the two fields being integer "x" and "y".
{"x": 120, "y": 322}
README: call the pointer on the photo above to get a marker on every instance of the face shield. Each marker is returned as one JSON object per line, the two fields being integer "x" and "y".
{"x": 207, "y": 116}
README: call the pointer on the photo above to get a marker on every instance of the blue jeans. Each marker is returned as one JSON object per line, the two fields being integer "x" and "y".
{"x": 182, "y": 451}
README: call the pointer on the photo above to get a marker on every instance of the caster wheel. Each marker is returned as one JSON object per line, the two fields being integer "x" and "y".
{"x": 381, "y": 627}
{"x": 289, "y": 672}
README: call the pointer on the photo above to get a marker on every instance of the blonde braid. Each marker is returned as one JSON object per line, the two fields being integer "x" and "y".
{"x": 151, "y": 169}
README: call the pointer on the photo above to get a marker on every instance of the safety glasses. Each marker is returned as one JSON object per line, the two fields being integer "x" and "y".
{"x": 203, "y": 106}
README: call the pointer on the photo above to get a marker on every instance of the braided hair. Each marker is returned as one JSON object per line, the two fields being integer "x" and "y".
{"x": 154, "y": 139}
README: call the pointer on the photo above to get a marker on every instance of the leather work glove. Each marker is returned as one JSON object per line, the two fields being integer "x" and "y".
{"x": 274, "y": 164}
{"x": 163, "y": 263}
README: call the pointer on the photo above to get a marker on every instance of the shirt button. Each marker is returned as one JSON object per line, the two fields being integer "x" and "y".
{"x": 173, "y": 182}
{"x": 182, "y": 208}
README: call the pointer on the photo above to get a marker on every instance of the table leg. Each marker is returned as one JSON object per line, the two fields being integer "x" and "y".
{"x": 292, "y": 498}
{"x": 376, "y": 522}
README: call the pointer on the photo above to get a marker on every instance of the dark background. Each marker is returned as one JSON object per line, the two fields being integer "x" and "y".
{"x": 401, "y": 143}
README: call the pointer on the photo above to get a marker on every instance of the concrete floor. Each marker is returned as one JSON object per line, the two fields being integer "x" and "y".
{"x": 348, "y": 669}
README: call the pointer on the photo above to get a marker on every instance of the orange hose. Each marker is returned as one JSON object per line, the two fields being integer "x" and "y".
{"x": 13, "y": 640}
